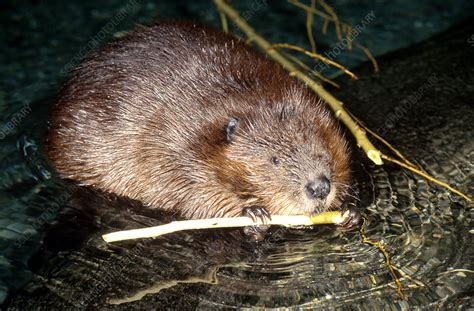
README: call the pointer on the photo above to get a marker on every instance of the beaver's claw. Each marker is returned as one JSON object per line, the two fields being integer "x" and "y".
{"x": 353, "y": 221}
{"x": 256, "y": 233}
{"x": 257, "y": 212}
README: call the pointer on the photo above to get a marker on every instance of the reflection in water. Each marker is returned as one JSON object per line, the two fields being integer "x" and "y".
{"x": 209, "y": 277}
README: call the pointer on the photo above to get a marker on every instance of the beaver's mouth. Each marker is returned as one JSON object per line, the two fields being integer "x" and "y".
{"x": 331, "y": 202}
{"x": 318, "y": 209}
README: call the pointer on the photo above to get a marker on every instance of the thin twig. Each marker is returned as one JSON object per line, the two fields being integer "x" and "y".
{"x": 316, "y": 56}
{"x": 327, "y": 17}
{"x": 310, "y": 25}
{"x": 369, "y": 56}
{"x": 426, "y": 176}
{"x": 324, "y": 30}
{"x": 315, "y": 73}
{"x": 388, "y": 263}
{"x": 348, "y": 30}
{"x": 333, "y": 14}
{"x": 225, "y": 25}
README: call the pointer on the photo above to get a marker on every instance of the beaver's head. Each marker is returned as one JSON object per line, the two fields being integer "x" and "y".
{"x": 289, "y": 160}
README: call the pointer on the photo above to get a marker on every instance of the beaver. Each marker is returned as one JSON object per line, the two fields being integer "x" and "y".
{"x": 183, "y": 117}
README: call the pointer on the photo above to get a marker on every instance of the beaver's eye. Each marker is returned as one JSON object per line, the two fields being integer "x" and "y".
{"x": 274, "y": 160}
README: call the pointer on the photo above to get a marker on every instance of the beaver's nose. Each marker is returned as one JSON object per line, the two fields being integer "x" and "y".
{"x": 318, "y": 188}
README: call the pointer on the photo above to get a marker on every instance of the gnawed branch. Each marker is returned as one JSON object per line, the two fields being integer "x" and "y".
{"x": 212, "y": 223}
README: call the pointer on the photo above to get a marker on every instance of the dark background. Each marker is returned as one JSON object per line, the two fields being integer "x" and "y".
{"x": 41, "y": 40}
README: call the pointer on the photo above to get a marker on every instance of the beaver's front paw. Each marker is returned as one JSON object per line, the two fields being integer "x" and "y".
{"x": 257, "y": 212}
{"x": 353, "y": 221}
{"x": 256, "y": 233}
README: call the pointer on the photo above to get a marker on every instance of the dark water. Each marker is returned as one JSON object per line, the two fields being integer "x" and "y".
{"x": 421, "y": 101}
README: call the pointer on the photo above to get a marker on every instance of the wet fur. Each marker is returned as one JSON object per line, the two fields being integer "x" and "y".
{"x": 146, "y": 116}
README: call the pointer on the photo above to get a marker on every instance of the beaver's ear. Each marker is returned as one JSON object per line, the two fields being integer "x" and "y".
{"x": 231, "y": 129}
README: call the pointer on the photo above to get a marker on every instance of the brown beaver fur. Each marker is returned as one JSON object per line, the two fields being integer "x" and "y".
{"x": 189, "y": 119}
